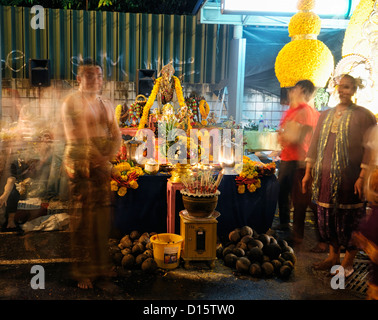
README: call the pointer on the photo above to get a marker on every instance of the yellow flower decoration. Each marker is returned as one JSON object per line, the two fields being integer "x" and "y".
{"x": 251, "y": 187}
{"x": 118, "y": 111}
{"x": 122, "y": 191}
{"x": 305, "y": 5}
{"x": 123, "y": 166}
{"x": 134, "y": 184}
{"x": 113, "y": 186}
{"x": 241, "y": 188}
{"x": 304, "y": 59}
{"x": 204, "y": 109}
{"x": 152, "y": 97}
{"x": 353, "y": 31}
{"x": 149, "y": 103}
{"x": 304, "y": 23}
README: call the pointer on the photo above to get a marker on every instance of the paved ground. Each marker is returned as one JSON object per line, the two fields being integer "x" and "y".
{"x": 198, "y": 283}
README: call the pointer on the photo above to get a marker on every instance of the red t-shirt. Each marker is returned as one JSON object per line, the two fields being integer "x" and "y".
{"x": 304, "y": 115}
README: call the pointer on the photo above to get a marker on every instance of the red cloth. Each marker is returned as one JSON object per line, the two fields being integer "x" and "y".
{"x": 307, "y": 116}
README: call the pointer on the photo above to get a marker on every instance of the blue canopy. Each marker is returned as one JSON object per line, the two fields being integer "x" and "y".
{"x": 262, "y": 47}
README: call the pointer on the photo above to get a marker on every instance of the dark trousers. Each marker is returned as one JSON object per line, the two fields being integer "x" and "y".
{"x": 290, "y": 180}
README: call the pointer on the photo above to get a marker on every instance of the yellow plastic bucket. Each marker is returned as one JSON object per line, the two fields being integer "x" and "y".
{"x": 167, "y": 249}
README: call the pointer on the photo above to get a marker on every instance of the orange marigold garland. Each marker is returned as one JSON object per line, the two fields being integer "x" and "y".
{"x": 251, "y": 174}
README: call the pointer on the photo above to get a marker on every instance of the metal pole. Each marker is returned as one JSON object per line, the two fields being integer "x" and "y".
{"x": 236, "y": 75}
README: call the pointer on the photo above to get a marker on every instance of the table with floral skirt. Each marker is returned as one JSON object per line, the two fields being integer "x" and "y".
{"x": 145, "y": 208}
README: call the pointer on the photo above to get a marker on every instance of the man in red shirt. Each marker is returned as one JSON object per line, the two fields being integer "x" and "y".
{"x": 296, "y": 129}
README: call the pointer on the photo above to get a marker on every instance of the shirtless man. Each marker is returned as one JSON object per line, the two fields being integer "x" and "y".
{"x": 92, "y": 140}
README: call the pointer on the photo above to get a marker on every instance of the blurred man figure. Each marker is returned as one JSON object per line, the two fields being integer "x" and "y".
{"x": 92, "y": 140}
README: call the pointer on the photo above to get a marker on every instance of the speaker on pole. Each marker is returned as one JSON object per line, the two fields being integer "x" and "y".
{"x": 39, "y": 72}
{"x": 145, "y": 81}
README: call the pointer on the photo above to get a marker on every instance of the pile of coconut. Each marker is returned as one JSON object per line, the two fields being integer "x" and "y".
{"x": 259, "y": 255}
{"x": 133, "y": 251}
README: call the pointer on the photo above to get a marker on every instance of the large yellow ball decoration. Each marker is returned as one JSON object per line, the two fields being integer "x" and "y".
{"x": 304, "y": 59}
{"x": 304, "y": 23}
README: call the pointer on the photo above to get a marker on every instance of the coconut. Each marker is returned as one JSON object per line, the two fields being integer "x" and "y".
{"x": 267, "y": 269}
{"x": 149, "y": 265}
{"x": 126, "y": 251}
{"x": 227, "y": 250}
{"x": 277, "y": 265}
{"x": 140, "y": 258}
{"x": 242, "y": 265}
{"x": 134, "y": 235}
{"x": 234, "y": 235}
{"x": 255, "y": 243}
{"x": 285, "y": 271}
{"x": 137, "y": 248}
{"x": 230, "y": 260}
{"x": 272, "y": 250}
{"x": 246, "y": 239}
{"x": 128, "y": 261}
{"x": 126, "y": 242}
{"x": 264, "y": 238}
{"x": 255, "y": 269}
{"x": 239, "y": 252}
{"x": 241, "y": 245}
{"x": 282, "y": 243}
{"x": 148, "y": 253}
{"x": 265, "y": 258}
{"x": 273, "y": 240}
{"x": 144, "y": 239}
{"x": 246, "y": 231}
{"x": 289, "y": 264}
{"x": 289, "y": 256}
{"x": 255, "y": 255}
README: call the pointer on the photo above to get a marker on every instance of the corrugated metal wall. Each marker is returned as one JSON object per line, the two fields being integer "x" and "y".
{"x": 121, "y": 42}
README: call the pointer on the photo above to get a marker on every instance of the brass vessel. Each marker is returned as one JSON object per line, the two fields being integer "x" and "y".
{"x": 200, "y": 207}
{"x": 180, "y": 170}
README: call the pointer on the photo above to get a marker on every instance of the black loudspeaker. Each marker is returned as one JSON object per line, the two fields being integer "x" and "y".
{"x": 39, "y": 72}
{"x": 145, "y": 81}
{"x": 284, "y": 97}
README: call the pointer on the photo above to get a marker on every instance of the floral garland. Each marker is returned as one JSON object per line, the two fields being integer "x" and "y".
{"x": 204, "y": 111}
{"x": 251, "y": 173}
{"x": 353, "y": 31}
{"x": 124, "y": 176}
{"x": 150, "y": 101}
{"x": 152, "y": 97}
{"x": 118, "y": 112}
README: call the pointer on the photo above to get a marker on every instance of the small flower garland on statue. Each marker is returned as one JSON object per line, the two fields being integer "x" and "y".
{"x": 204, "y": 111}
{"x": 251, "y": 173}
{"x": 118, "y": 112}
{"x": 152, "y": 97}
{"x": 124, "y": 176}
{"x": 193, "y": 107}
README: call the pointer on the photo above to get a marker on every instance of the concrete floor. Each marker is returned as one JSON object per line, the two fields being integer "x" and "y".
{"x": 20, "y": 252}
